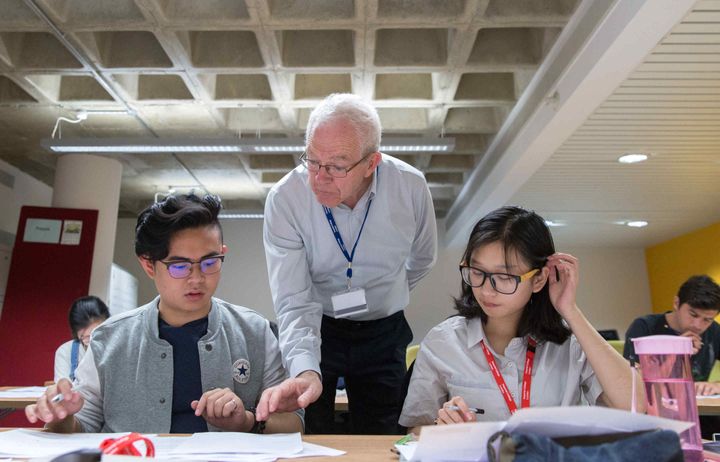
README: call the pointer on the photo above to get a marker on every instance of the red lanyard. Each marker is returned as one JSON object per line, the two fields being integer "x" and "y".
{"x": 527, "y": 375}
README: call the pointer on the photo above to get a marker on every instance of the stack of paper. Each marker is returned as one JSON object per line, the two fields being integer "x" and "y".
{"x": 216, "y": 446}
{"x": 22, "y": 392}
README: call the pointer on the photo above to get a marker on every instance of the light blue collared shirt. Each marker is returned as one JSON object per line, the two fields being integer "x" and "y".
{"x": 398, "y": 246}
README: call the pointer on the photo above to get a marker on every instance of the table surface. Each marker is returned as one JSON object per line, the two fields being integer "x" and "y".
{"x": 359, "y": 448}
{"x": 15, "y": 403}
{"x": 708, "y": 406}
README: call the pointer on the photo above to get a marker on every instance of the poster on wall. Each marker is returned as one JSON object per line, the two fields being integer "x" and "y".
{"x": 72, "y": 229}
{"x": 42, "y": 230}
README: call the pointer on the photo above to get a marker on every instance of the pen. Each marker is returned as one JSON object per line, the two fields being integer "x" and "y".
{"x": 59, "y": 398}
{"x": 476, "y": 410}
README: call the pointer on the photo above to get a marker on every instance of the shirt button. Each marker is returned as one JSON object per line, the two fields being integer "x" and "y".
{"x": 162, "y": 400}
{"x": 208, "y": 347}
{"x": 163, "y": 356}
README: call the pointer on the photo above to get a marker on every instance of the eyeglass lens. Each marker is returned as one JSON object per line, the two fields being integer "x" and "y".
{"x": 504, "y": 283}
{"x": 183, "y": 269}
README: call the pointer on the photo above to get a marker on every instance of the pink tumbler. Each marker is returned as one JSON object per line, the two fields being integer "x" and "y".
{"x": 666, "y": 372}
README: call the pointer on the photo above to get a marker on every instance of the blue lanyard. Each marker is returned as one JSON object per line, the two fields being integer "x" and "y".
{"x": 338, "y": 238}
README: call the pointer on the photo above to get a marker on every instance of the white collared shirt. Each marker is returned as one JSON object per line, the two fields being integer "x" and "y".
{"x": 451, "y": 363}
{"x": 306, "y": 267}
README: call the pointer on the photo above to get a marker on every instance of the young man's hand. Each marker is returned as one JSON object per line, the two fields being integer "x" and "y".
{"x": 49, "y": 411}
{"x": 707, "y": 388}
{"x": 290, "y": 395}
{"x": 696, "y": 340}
{"x": 222, "y": 408}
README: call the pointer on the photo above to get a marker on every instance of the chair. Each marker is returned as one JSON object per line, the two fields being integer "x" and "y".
{"x": 715, "y": 373}
{"x": 619, "y": 345}
{"x": 411, "y": 354}
{"x": 609, "y": 334}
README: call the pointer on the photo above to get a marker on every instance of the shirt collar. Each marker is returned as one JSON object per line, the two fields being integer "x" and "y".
{"x": 476, "y": 333}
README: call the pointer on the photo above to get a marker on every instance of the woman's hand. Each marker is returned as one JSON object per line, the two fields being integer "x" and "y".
{"x": 448, "y": 415}
{"x": 563, "y": 281}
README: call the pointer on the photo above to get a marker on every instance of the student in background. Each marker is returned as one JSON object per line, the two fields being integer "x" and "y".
{"x": 86, "y": 313}
{"x": 693, "y": 315}
{"x": 518, "y": 318}
{"x": 185, "y": 362}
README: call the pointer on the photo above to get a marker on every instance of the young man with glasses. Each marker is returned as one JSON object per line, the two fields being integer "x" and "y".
{"x": 184, "y": 363}
{"x": 347, "y": 235}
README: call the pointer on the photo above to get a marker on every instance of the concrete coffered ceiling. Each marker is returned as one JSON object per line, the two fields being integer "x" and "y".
{"x": 459, "y": 68}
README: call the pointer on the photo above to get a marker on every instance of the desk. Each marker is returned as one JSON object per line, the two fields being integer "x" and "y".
{"x": 359, "y": 448}
{"x": 15, "y": 402}
{"x": 708, "y": 406}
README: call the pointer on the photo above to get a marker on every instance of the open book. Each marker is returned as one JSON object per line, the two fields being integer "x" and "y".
{"x": 468, "y": 442}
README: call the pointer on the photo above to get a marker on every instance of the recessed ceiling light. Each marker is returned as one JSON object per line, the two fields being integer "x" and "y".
{"x": 554, "y": 223}
{"x": 637, "y": 224}
{"x": 632, "y": 158}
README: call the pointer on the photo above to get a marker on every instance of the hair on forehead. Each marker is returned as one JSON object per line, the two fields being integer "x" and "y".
{"x": 352, "y": 109}
{"x": 158, "y": 223}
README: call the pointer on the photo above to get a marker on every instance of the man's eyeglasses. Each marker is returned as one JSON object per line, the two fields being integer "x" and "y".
{"x": 503, "y": 283}
{"x": 334, "y": 171}
{"x": 180, "y": 269}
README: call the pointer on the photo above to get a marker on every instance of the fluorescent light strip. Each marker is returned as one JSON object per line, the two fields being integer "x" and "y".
{"x": 157, "y": 145}
{"x": 416, "y": 148}
{"x": 279, "y": 148}
{"x": 241, "y": 216}
{"x": 136, "y": 149}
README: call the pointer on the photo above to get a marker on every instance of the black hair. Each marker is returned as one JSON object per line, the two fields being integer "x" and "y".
{"x": 700, "y": 292}
{"x": 86, "y": 310}
{"x": 158, "y": 222}
{"x": 525, "y": 233}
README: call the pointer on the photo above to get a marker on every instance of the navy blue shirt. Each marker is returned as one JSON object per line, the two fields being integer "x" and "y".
{"x": 655, "y": 324}
{"x": 187, "y": 382}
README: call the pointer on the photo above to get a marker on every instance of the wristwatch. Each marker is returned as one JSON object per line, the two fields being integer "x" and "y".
{"x": 258, "y": 427}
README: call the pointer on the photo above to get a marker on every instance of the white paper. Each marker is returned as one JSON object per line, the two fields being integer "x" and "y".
{"x": 240, "y": 443}
{"x": 707, "y": 396}
{"x": 315, "y": 450}
{"x": 32, "y": 443}
{"x": 468, "y": 442}
{"x": 23, "y": 392}
{"x": 71, "y": 232}
{"x": 219, "y": 446}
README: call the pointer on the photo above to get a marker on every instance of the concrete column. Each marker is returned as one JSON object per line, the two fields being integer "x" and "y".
{"x": 90, "y": 182}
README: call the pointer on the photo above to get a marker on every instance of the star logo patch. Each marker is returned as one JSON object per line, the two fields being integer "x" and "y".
{"x": 241, "y": 370}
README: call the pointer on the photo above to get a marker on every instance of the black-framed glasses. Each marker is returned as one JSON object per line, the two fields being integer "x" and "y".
{"x": 503, "y": 283}
{"x": 334, "y": 171}
{"x": 180, "y": 269}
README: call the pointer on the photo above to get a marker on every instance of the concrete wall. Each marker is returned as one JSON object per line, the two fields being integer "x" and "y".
{"x": 613, "y": 289}
{"x": 18, "y": 189}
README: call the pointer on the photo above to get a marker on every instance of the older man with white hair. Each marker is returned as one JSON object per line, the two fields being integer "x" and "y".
{"x": 347, "y": 235}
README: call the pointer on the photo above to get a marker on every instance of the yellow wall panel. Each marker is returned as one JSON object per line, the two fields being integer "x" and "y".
{"x": 670, "y": 263}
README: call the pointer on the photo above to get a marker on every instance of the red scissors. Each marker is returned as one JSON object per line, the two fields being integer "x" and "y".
{"x": 125, "y": 446}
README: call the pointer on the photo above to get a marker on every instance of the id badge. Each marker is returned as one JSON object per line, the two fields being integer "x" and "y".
{"x": 349, "y": 302}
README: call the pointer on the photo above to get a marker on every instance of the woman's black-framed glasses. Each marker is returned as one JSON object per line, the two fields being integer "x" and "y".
{"x": 334, "y": 171}
{"x": 503, "y": 283}
{"x": 180, "y": 269}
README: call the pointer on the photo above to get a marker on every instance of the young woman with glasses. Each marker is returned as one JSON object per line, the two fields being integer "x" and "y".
{"x": 520, "y": 339}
